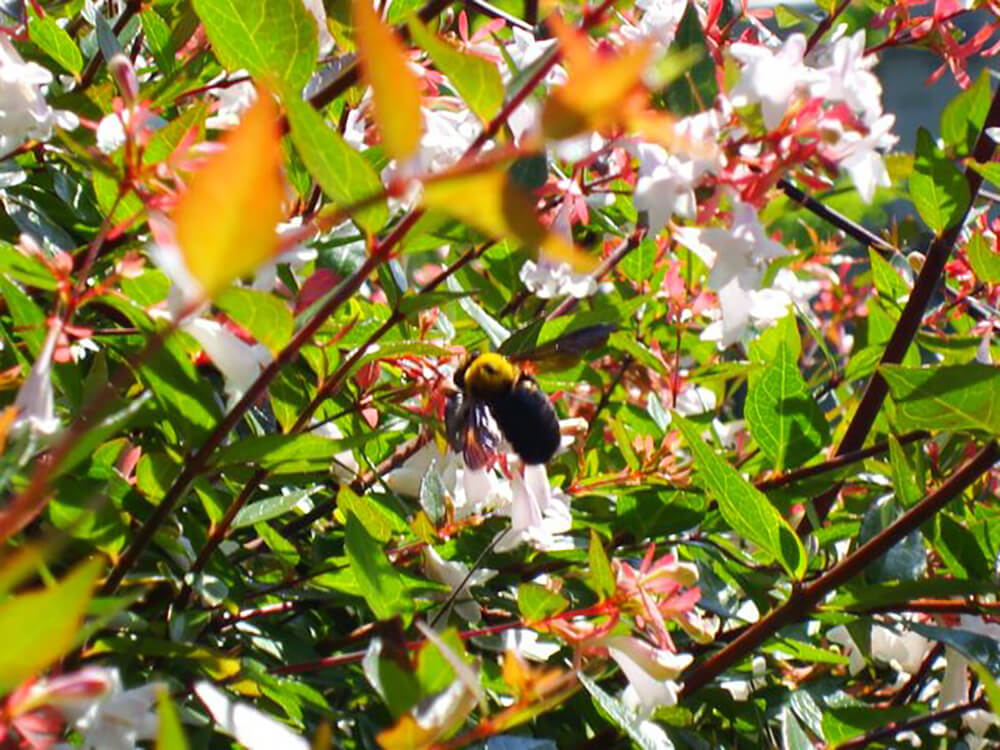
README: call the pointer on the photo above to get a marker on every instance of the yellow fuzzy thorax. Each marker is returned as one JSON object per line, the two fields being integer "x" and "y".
{"x": 490, "y": 375}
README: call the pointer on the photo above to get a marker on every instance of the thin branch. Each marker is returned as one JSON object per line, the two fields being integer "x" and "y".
{"x": 804, "y": 600}
{"x": 825, "y": 25}
{"x": 837, "y": 462}
{"x": 851, "y": 228}
{"x": 894, "y": 728}
{"x": 492, "y": 11}
{"x": 909, "y": 320}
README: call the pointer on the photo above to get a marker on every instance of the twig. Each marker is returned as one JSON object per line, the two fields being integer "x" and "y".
{"x": 835, "y": 218}
{"x": 90, "y": 72}
{"x": 835, "y": 463}
{"x": 909, "y": 320}
{"x": 895, "y": 727}
{"x": 804, "y": 599}
{"x": 825, "y": 25}
{"x": 494, "y": 12}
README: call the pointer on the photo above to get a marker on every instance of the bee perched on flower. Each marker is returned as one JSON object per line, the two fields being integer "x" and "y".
{"x": 496, "y": 400}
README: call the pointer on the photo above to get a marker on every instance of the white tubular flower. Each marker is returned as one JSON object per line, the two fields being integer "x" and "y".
{"x": 250, "y": 727}
{"x": 650, "y": 671}
{"x": 117, "y": 719}
{"x": 665, "y": 186}
{"x": 239, "y": 362}
{"x": 772, "y": 78}
{"x": 551, "y": 280}
{"x": 738, "y": 257}
{"x": 35, "y": 401}
{"x": 232, "y": 101}
{"x": 454, "y": 575}
{"x": 539, "y": 515}
{"x": 860, "y": 157}
{"x": 24, "y": 113}
{"x": 849, "y": 78}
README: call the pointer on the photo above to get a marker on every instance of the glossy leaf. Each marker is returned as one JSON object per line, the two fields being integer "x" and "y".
{"x": 272, "y": 39}
{"x": 781, "y": 413}
{"x": 937, "y": 188}
{"x": 226, "y": 219}
{"x": 344, "y": 174}
{"x": 984, "y": 258}
{"x": 380, "y": 583}
{"x": 169, "y": 733}
{"x": 395, "y": 89}
{"x": 264, "y": 315}
{"x": 950, "y": 397}
{"x": 488, "y": 200}
{"x": 53, "y": 40}
{"x": 747, "y": 510}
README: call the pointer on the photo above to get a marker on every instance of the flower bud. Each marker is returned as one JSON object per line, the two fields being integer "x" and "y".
{"x": 123, "y": 73}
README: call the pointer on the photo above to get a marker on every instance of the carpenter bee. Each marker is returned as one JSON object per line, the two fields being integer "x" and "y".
{"x": 497, "y": 400}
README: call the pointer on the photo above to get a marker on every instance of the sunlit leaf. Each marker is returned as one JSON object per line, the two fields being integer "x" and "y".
{"x": 226, "y": 219}
{"x": 477, "y": 80}
{"x": 39, "y": 627}
{"x": 491, "y": 202}
{"x": 272, "y": 39}
{"x": 395, "y": 88}
{"x": 745, "y": 508}
{"x": 948, "y": 397}
{"x": 53, "y": 40}
{"x": 169, "y": 734}
{"x": 248, "y": 725}
{"x": 345, "y": 175}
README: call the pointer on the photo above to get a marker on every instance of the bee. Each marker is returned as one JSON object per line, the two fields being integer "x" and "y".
{"x": 497, "y": 400}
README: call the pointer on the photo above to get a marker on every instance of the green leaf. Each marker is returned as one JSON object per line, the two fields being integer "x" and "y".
{"x": 268, "y": 508}
{"x": 262, "y": 314}
{"x": 377, "y": 520}
{"x": 985, "y": 261}
{"x": 270, "y": 38}
{"x": 745, "y": 508}
{"x": 908, "y": 471}
{"x": 888, "y": 282}
{"x": 39, "y": 627}
{"x": 964, "y": 115}
{"x": 157, "y": 35}
{"x": 697, "y": 88}
{"x": 842, "y": 723}
{"x": 476, "y": 80}
{"x": 380, "y": 583}
{"x": 536, "y": 602}
{"x": 937, "y": 187}
{"x": 601, "y": 578}
{"x": 282, "y": 454}
{"x": 781, "y": 413}
{"x": 169, "y": 734}
{"x": 621, "y": 717}
{"x": 948, "y": 397}
{"x": 53, "y": 40}
{"x": 343, "y": 173}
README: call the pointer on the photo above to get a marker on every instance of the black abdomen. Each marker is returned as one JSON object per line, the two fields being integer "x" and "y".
{"x": 528, "y": 421}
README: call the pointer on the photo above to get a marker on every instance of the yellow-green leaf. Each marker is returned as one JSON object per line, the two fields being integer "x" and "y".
{"x": 395, "y": 88}
{"x": 488, "y": 200}
{"x": 476, "y": 80}
{"x": 226, "y": 220}
{"x": 169, "y": 735}
{"x": 38, "y": 628}
{"x": 343, "y": 173}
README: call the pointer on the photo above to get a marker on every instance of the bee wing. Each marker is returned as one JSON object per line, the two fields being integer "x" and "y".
{"x": 482, "y": 437}
{"x": 565, "y": 350}
{"x": 471, "y": 430}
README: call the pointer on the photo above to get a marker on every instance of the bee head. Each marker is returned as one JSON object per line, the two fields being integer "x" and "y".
{"x": 489, "y": 375}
